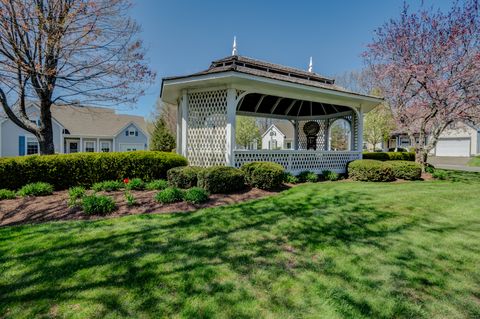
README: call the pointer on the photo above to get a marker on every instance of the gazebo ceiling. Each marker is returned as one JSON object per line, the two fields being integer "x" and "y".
{"x": 274, "y": 105}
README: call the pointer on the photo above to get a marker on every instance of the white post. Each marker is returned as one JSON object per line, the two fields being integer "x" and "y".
{"x": 179, "y": 128}
{"x": 98, "y": 144}
{"x": 184, "y": 123}
{"x": 230, "y": 129}
{"x": 80, "y": 147}
{"x": 360, "y": 132}
{"x": 295, "y": 134}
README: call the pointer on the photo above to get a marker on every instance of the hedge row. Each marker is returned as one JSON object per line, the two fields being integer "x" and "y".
{"x": 84, "y": 169}
{"x": 389, "y": 156}
{"x": 383, "y": 171}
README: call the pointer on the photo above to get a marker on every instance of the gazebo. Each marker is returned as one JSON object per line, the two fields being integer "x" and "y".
{"x": 209, "y": 101}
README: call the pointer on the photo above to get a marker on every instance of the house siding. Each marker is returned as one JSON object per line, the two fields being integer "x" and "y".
{"x": 279, "y": 137}
{"x": 122, "y": 139}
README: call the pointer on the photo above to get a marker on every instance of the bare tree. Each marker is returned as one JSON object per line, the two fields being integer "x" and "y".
{"x": 60, "y": 51}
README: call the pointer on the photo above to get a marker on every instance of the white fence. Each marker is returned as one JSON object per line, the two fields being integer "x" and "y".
{"x": 296, "y": 161}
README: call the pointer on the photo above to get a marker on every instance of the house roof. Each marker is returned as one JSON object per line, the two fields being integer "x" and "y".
{"x": 94, "y": 121}
{"x": 285, "y": 127}
{"x": 246, "y": 65}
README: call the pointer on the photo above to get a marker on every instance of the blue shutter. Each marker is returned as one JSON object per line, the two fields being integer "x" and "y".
{"x": 126, "y": 133}
{"x": 21, "y": 145}
{"x": 136, "y": 133}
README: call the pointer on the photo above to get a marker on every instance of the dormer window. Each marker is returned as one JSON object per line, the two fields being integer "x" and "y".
{"x": 131, "y": 132}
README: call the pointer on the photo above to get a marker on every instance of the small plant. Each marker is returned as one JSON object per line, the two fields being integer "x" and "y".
{"x": 157, "y": 184}
{"x": 195, "y": 195}
{"x": 290, "y": 178}
{"x": 98, "y": 204}
{"x": 134, "y": 184}
{"x": 131, "y": 201}
{"x": 307, "y": 176}
{"x": 7, "y": 194}
{"x": 36, "y": 189}
{"x": 169, "y": 195}
{"x": 439, "y": 174}
{"x": 330, "y": 176}
{"x": 108, "y": 186}
{"x": 75, "y": 195}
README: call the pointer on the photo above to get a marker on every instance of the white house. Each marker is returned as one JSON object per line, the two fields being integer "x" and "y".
{"x": 77, "y": 128}
{"x": 278, "y": 136}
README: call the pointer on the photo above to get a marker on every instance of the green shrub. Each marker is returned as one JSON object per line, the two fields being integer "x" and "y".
{"x": 221, "y": 179}
{"x": 370, "y": 170}
{"x": 98, "y": 204}
{"x": 307, "y": 176}
{"x": 169, "y": 195}
{"x": 36, "y": 189}
{"x": 131, "y": 201}
{"x": 183, "y": 176}
{"x": 406, "y": 170}
{"x": 390, "y": 156}
{"x": 330, "y": 176}
{"x": 75, "y": 195}
{"x": 439, "y": 174}
{"x": 429, "y": 168}
{"x": 7, "y": 194}
{"x": 290, "y": 178}
{"x": 135, "y": 184}
{"x": 195, "y": 195}
{"x": 157, "y": 184}
{"x": 108, "y": 186}
{"x": 264, "y": 175}
{"x": 85, "y": 169}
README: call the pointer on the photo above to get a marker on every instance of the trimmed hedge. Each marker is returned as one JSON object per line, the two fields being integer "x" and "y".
{"x": 183, "y": 176}
{"x": 370, "y": 171}
{"x": 221, "y": 179}
{"x": 84, "y": 169}
{"x": 406, "y": 170}
{"x": 264, "y": 175}
{"x": 390, "y": 156}
{"x": 195, "y": 195}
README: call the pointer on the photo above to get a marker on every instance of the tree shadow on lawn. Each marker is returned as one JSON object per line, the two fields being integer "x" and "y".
{"x": 159, "y": 263}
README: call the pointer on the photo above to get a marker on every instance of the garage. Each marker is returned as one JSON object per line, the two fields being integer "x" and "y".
{"x": 129, "y": 147}
{"x": 453, "y": 147}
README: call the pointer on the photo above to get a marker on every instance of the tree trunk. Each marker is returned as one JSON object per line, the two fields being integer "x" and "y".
{"x": 45, "y": 138}
{"x": 421, "y": 157}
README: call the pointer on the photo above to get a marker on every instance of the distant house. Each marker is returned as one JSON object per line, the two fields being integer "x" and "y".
{"x": 278, "y": 136}
{"x": 459, "y": 139}
{"x": 77, "y": 128}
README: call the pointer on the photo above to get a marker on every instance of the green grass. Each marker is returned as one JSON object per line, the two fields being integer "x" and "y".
{"x": 474, "y": 161}
{"x": 328, "y": 250}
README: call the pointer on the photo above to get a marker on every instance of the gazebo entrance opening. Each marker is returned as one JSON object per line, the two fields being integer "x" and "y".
{"x": 326, "y": 119}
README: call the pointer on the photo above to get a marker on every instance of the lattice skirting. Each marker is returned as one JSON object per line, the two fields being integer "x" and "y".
{"x": 298, "y": 161}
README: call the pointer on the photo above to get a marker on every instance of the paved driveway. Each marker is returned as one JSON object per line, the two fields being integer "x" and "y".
{"x": 456, "y": 163}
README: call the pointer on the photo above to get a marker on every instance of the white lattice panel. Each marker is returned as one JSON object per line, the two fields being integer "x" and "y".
{"x": 297, "y": 161}
{"x": 207, "y": 120}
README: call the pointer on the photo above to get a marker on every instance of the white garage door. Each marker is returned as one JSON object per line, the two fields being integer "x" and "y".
{"x": 453, "y": 147}
{"x": 131, "y": 147}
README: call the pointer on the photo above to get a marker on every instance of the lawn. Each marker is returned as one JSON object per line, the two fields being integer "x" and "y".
{"x": 325, "y": 250}
{"x": 475, "y": 161}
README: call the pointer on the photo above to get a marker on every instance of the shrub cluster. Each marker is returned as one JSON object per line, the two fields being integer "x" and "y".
{"x": 183, "y": 176}
{"x": 390, "y": 156}
{"x": 107, "y": 186}
{"x": 7, "y": 194}
{"x": 157, "y": 184}
{"x": 36, "y": 189}
{"x": 370, "y": 170}
{"x": 195, "y": 195}
{"x": 221, "y": 179}
{"x": 406, "y": 170}
{"x": 84, "y": 169}
{"x": 290, "y": 178}
{"x": 134, "y": 184}
{"x": 169, "y": 195}
{"x": 307, "y": 176}
{"x": 330, "y": 176}
{"x": 98, "y": 204}
{"x": 264, "y": 175}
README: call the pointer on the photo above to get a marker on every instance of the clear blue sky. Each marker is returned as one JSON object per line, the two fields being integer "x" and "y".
{"x": 185, "y": 36}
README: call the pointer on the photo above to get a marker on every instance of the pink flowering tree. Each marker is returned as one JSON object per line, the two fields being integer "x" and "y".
{"x": 427, "y": 64}
{"x": 66, "y": 51}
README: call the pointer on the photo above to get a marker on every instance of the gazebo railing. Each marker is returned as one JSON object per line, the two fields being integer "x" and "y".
{"x": 296, "y": 161}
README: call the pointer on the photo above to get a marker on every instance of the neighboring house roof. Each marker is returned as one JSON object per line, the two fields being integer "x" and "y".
{"x": 94, "y": 121}
{"x": 269, "y": 70}
{"x": 285, "y": 127}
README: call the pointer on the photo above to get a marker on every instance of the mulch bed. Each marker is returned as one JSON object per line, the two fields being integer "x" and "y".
{"x": 54, "y": 207}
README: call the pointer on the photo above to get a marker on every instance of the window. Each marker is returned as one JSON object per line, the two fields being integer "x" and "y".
{"x": 89, "y": 146}
{"x": 272, "y": 133}
{"x": 105, "y": 147}
{"x": 32, "y": 145}
{"x": 405, "y": 141}
{"x": 289, "y": 145}
{"x": 340, "y": 135}
{"x": 131, "y": 132}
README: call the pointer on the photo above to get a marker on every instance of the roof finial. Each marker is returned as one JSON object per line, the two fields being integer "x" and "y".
{"x": 310, "y": 65}
{"x": 234, "y": 49}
